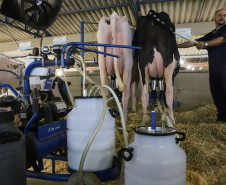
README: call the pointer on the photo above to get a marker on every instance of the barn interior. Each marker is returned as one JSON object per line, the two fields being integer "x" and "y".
{"x": 39, "y": 30}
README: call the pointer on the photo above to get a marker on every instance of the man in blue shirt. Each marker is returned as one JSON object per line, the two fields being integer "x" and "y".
{"x": 215, "y": 43}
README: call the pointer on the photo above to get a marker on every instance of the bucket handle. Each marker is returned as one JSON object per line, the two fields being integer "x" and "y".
{"x": 121, "y": 154}
{"x": 180, "y": 138}
{"x": 114, "y": 113}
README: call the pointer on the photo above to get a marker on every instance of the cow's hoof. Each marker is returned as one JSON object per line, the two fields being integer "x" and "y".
{"x": 146, "y": 120}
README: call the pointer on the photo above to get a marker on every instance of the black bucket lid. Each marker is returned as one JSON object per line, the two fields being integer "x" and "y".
{"x": 6, "y": 116}
{"x": 87, "y": 97}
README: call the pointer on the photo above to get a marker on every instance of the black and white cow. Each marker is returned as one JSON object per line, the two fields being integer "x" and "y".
{"x": 158, "y": 57}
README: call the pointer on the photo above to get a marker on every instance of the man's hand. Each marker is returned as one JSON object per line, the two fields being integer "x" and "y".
{"x": 200, "y": 45}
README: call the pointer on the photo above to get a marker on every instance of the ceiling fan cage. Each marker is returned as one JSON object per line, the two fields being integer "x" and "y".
{"x": 39, "y": 14}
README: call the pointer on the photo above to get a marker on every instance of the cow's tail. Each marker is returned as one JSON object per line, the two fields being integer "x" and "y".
{"x": 113, "y": 29}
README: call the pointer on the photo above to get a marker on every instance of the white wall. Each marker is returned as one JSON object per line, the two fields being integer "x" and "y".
{"x": 190, "y": 88}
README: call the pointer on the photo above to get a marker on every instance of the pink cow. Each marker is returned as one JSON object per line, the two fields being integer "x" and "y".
{"x": 116, "y": 30}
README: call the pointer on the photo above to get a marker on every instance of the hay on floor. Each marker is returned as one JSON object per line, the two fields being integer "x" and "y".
{"x": 205, "y": 145}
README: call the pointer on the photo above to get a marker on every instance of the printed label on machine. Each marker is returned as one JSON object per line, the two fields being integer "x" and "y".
{"x": 49, "y": 130}
{"x": 61, "y": 107}
{"x": 48, "y": 83}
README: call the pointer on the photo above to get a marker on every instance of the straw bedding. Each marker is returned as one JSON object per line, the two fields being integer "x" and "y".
{"x": 205, "y": 145}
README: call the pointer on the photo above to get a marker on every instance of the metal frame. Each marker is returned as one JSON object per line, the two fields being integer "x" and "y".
{"x": 26, "y": 30}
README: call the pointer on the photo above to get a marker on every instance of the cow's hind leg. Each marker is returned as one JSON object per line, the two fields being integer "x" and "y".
{"x": 168, "y": 73}
{"x": 126, "y": 80}
{"x": 103, "y": 72}
{"x": 145, "y": 98}
{"x": 134, "y": 86}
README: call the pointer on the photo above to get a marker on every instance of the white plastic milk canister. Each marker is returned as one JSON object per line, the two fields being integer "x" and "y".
{"x": 157, "y": 159}
{"x": 81, "y": 122}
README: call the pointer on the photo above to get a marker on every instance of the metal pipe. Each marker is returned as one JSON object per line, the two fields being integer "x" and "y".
{"x": 160, "y": 84}
{"x": 11, "y": 88}
{"x": 32, "y": 120}
{"x": 53, "y": 166}
{"x": 56, "y": 157}
{"x": 92, "y": 44}
{"x": 87, "y": 49}
{"x": 48, "y": 176}
{"x": 28, "y": 72}
{"x": 153, "y": 84}
{"x": 99, "y": 44}
{"x": 82, "y": 54}
{"x": 13, "y": 58}
{"x": 14, "y": 74}
{"x": 21, "y": 29}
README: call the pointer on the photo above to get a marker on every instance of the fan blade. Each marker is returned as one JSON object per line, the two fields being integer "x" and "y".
{"x": 31, "y": 1}
{"x": 42, "y": 14}
{"x": 31, "y": 8}
{"x": 41, "y": 11}
{"x": 35, "y": 16}
{"x": 47, "y": 4}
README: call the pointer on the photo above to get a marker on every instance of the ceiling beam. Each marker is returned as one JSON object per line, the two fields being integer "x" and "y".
{"x": 19, "y": 28}
{"x": 134, "y": 9}
{"x": 155, "y": 1}
{"x": 130, "y": 4}
{"x": 93, "y": 9}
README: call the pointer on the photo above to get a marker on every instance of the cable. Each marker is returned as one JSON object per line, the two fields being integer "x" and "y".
{"x": 68, "y": 90}
{"x": 120, "y": 111}
{"x": 84, "y": 75}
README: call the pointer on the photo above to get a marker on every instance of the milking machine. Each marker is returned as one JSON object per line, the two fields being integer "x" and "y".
{"x": 86, "y": 138}
{"x": 44, "y": 124}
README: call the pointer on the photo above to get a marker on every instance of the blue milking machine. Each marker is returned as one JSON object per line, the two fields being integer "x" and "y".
{"x": 44, "y": 122}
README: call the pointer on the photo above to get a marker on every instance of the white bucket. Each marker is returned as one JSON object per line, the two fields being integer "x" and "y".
{"x": 37, "y": 71}
{"x": 81, "y": 122}
{"x": 157, "y": 159}
{"x": 35, "y": 82}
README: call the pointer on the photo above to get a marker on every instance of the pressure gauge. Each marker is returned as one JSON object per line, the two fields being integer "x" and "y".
{"x": 46, "y": 50}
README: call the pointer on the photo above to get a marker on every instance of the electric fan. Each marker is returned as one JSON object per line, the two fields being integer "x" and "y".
{"x": 38, "y": 14}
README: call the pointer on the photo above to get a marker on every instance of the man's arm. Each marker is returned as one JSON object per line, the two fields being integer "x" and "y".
{"x": 215, "y": 42}
{"x": 185, "y": 45}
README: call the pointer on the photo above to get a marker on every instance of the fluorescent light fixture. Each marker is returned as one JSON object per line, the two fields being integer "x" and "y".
{"x": 59, "y": 73}
{"x": 188, "y": 67}
{"x": 182, "y": 61}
